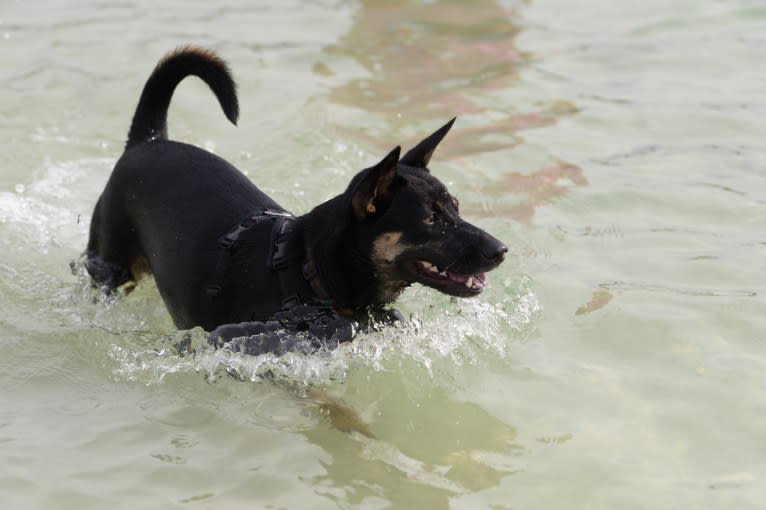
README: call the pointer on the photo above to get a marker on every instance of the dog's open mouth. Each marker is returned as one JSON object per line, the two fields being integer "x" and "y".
{"x": 449, "y": 282}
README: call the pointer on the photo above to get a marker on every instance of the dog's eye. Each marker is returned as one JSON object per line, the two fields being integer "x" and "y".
{"x": 430, "y": 219}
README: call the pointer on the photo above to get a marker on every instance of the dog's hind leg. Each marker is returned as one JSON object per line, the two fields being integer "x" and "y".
{"x": 106, "y": 275}
{"x": 106, "y": 261}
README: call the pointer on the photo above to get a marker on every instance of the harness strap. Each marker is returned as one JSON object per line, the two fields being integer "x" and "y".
{"x": 279, "y": 260}
{"x": 280, "y": 237}
{"x": 228, "y": 244}
{"x": 311, "y": 275}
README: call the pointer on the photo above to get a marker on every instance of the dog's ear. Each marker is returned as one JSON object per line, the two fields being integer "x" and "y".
{"x": 420, "y": 155}
{"x": 374, "y": 191}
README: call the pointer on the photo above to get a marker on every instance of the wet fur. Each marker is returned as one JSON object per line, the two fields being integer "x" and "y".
{"x": 167, "y": 204}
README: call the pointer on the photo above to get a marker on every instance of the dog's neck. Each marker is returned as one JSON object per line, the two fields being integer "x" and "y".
{"x": 346, "y": 275}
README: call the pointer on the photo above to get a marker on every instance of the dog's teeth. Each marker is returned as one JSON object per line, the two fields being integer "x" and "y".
{"x": 433, "y": 269}
{"x": 469, "y": 282}
{"x": 429, "y": 267}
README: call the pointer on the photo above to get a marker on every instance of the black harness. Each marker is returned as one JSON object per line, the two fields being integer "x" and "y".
{"x": 308, "y": 319}
{"x": 283, "y": 223}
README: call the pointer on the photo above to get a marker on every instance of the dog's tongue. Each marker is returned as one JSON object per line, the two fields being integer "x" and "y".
{"x": 460, "y": 278}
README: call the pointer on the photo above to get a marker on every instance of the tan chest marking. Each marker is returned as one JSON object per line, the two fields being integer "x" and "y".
{"x": 385, "y": 249}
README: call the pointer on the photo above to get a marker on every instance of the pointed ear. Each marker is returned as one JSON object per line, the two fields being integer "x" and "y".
{"x": 374, "y": 191}
{"x": 420, "y": 155}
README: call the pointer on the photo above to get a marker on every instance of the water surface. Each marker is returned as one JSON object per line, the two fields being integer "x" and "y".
{"x": 617, "y": 359}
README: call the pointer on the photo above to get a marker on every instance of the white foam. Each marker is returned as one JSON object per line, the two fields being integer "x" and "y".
{"x": 50, "y": 210}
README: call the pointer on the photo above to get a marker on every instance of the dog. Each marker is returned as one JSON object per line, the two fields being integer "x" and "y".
{"x": 229, "y": 259}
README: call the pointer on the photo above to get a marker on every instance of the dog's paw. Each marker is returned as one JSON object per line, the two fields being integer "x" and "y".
{"x": 322, "y": 324}
{"x": 393, "y": 316}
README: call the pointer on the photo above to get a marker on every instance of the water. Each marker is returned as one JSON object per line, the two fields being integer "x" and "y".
{"x": 616, "y": 361}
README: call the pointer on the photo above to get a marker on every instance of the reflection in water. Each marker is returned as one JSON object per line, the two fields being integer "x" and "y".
{"x": 432, "y": 52}
{"x": 426, "y": 62}
{"x": 444, "y": 448}
{"x": 600, "y": 299}
{"x": 408, "y": 440}
{"x": 538, "y": 188}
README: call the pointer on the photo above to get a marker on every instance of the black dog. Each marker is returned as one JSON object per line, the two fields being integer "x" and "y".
{"x": 226, "y": 256}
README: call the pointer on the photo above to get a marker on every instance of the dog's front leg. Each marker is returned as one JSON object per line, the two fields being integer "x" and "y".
{"x": 254, "y": 338}
{"x": 305, "y": 329}
{"x": 322, "y": 324}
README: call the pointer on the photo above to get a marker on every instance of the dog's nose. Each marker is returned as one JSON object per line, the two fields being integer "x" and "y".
{"x": 494, "y": 250}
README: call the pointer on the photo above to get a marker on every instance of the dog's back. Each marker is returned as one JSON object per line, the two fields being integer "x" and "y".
{"x": 168, "y": 203}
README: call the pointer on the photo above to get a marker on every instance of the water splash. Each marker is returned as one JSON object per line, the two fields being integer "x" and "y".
{"x": 463, "y": 333}
{"x": 44, "y": 213}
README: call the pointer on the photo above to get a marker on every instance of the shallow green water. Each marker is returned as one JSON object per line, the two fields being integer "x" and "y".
{"x": 617, "y": 360}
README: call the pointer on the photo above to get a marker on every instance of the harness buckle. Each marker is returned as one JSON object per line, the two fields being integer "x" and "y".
{"x": 290, "y": 302}
{"x": 228, "y": 241}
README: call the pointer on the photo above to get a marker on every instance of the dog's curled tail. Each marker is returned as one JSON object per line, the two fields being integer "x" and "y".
{"x": 150, "y": 120}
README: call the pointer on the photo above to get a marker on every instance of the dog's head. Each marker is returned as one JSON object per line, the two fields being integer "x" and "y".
{"x": 411, "y": 227}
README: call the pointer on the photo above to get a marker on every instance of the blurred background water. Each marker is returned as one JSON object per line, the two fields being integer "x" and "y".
{"x": 617, "y": 359}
